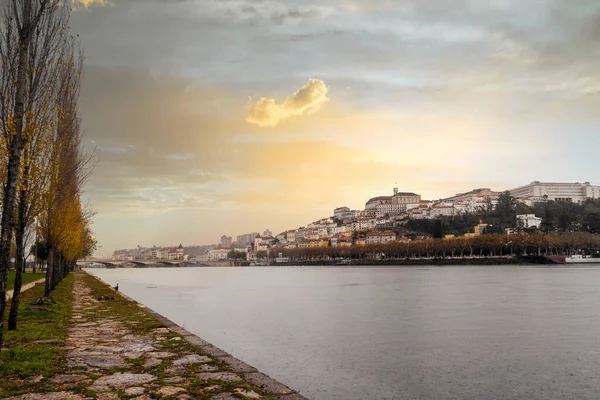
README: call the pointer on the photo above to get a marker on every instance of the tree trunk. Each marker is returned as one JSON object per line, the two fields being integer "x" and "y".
{"x": 49, "y": 271}
{"x": 14, "y": 159}
{"x": 20, "y": 254}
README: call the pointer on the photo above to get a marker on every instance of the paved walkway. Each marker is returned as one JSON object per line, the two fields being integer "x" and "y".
{"x": 108, "y": 361}
{"x": 9, "y": 292}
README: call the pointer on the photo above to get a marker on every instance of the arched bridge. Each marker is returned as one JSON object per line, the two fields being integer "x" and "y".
{"x": 103, "y": 263}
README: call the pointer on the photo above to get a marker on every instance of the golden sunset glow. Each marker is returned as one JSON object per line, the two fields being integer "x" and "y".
{"x": 218, "y": 127}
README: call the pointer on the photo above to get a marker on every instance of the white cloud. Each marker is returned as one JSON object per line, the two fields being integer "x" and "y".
{"x": 308, "y": 99}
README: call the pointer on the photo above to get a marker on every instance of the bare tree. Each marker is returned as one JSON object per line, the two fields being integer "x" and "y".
{"x": 21, "y": 20}
{"x": 49, "y": 45}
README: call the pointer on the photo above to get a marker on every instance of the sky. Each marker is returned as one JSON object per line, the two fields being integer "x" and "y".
{"x": 234, "y": 116}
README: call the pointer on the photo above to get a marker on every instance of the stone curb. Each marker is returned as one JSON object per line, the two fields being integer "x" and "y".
{"x": 271, "y": 386}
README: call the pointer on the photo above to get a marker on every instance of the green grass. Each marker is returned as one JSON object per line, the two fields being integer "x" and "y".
{"x": 23, "y": 358}
{"x": 27, "y": 277}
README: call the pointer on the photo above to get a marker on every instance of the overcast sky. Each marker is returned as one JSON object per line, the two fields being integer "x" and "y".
{"x": 231, "y": 116}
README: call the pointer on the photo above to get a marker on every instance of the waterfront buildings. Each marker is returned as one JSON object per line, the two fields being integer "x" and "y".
{"x": 154, "y": 253}
{"x": 557, "y": 191}
{"x": 217, "y": 254}
{"x": 380, "y": 221}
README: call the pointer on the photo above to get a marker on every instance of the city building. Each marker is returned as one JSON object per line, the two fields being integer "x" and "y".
{"x": 246, "y": 239}
{"x": 263, "y": 243}
{"x": 267, "y": 233}
{"x": 218, "y": 254}
{"x": 226, "y": 241}
{"x": 557, "y": 191}
{"x": 405, "y": 197}
{"x": 290, "y": 236}
{"x": 342, "y": 212}
{"x": 377, "y": 201}
{"x": 396, "y": 198}
{"x": 391, "y": 209}
{"x": 528, "y": 221}
{"x": 439, "y": 211}
{"x": 340, "y": 240}
{"x": 478, "y": 229}
{"x": 380, "y": 237}
{"x": 475, "y": 194}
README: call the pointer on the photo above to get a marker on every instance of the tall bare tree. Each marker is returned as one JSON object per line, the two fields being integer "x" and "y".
{"x": 21, "y": 20}
{"x": 49, "y": 45}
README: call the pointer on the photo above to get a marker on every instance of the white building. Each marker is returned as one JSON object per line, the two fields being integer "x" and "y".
{"x": 391, "y": 209}
{"x": 405, "y": 197}
{"x": 377, "y": 201}
{"x": 218, "y": 254}
{"x": 342, "y": 212}
{"x": 557, "y": 191}
{"x": 445, "y": 211}
{"x": 528, "y": 221}
{"x": 226, "y": 241}
{"x": 290, "y": 236}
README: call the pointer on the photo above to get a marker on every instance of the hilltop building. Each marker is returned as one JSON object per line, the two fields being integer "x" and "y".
{"x": 557, "y": 191}
{"x": 398, "y": 203}
{"x": 475, "y": 194}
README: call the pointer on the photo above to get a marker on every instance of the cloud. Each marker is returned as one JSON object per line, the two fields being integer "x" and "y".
{"x": 88, "y": 3}
{"x": 308, "y": 99}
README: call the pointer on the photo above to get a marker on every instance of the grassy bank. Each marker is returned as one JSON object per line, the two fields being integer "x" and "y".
{"x": 34, "y": 350}
{"x": 27, "y": 278}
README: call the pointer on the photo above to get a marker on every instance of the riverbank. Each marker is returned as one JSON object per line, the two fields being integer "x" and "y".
{"x": 518, "y": 260}
{"x": 109, "y": 347}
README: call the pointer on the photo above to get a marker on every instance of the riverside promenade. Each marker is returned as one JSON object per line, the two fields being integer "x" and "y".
{"x": 116, "y": 348}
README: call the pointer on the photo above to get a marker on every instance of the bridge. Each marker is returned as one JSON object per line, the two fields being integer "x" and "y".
{"x": 104, "y": 263}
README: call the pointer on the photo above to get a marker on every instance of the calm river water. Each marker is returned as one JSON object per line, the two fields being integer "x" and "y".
{"x": 506, "y": 332}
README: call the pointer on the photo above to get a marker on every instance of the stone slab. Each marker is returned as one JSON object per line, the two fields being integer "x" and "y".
{"x": 219, "y": 376}
{"x": 48, "y": 396}
{"x": 268, "y": 384}
{"x": 236, "y": 365}
{"x": 121, "y": 380}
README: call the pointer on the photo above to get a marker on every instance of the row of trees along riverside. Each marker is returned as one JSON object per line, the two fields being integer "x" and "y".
{"x": 43, "y": 167}
{"x": 490, "y": 245}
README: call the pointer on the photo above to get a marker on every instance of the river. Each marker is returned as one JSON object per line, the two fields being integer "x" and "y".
{"x": 510, "y": 332}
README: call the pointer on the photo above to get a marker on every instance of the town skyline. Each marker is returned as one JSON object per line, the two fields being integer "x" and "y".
{"x": 228, "y": 114}
{"x": 383, "y": 211}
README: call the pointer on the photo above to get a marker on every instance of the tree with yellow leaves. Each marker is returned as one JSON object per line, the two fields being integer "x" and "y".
{"x": 22, "y": 21}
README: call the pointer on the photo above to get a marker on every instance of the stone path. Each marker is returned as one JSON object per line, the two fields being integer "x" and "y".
{"x": 9, "y": 293}
{"x": 106, "y": 360}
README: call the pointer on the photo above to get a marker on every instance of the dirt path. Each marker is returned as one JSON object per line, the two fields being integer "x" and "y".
{"x": 27, "y": 286}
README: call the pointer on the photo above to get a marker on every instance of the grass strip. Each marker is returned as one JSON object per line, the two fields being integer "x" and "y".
{"x": 34, "y": 350}
{"x": 27, "y": 278}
